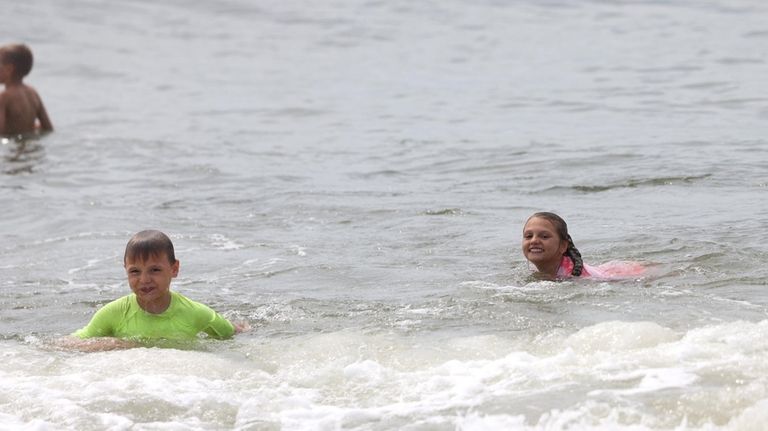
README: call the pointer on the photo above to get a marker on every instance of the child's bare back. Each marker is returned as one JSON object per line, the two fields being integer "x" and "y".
{"x": 20, "y": 106}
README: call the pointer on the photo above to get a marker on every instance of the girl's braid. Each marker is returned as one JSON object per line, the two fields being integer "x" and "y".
{"x": 575, "y": 255}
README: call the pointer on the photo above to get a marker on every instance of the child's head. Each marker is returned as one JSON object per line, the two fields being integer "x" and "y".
{"x": 149, "y": 243}
{"x": 565, "y": 245}
{"x": 561, "y": 228}
{"x": 19, "y": 57}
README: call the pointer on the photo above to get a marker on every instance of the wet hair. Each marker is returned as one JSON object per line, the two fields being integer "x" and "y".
{"x": 562, "y": 231}
{"x": 20, "y": 56}
{"x": 148, "y": 243}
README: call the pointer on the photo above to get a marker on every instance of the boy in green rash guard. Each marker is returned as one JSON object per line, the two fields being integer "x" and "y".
{"x": 153, "y": 311}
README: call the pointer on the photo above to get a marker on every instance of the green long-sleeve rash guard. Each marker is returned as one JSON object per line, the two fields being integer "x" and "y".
{"x": 184, "y": 319}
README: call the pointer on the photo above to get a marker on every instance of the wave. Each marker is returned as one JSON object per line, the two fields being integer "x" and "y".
{"x": 613, "y": 374}
{"x": 631, "y": 183}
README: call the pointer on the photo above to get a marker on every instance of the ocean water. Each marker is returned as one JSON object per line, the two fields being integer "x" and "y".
{"x": 351, "y": 178}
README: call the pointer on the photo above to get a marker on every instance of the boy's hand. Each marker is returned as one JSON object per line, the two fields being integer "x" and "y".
{"x": 100, "y": 344}
{"x": 241, "y": 326}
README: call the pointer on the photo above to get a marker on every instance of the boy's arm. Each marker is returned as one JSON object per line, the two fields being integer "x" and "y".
{"x": 2, "y": 114}
{"x": 98, "y": 334}
{"x": 211, "y": 322}
{"x": 42, "y": 115}
{"x": 102, "y": 323}
{"x": 219, "y": 327}
{"x": 100, "y": 344}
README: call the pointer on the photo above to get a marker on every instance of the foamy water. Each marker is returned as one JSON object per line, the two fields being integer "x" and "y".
{"x": 638, "y": 375}
{"x": 352, "y": 180}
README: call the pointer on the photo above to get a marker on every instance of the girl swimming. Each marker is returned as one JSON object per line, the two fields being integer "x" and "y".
{"x": 549, "y": 247}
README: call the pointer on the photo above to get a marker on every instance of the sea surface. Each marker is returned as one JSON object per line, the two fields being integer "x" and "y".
{"x": 352, "y": 178}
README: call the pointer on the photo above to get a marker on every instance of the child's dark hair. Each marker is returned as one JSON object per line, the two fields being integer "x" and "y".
{"x": 20, "y": 56}
{"x": 149, "y": 243}
{"x": 562, "y": 231}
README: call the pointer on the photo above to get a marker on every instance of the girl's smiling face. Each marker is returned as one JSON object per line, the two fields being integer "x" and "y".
{"x": 542, "y": 246}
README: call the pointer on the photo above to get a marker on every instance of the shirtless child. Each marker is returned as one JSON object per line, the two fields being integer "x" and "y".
{"x": 21, "y": 109}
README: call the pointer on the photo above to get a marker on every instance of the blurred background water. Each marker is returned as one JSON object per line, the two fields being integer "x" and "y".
{"x": 352, "y": 179}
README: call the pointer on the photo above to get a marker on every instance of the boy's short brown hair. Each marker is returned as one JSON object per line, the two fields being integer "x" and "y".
{"x": 149, "y": 243}
{"x": 20, "y": 56}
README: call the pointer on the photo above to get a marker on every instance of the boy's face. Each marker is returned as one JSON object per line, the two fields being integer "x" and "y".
{"x": 6, "y": 71}
{"x": 150, "y": 279}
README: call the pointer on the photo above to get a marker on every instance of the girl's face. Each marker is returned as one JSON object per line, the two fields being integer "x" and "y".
{"x": 541, "y": 244}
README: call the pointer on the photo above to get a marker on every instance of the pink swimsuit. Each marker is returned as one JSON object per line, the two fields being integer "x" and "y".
{"x": 609, "y": 270}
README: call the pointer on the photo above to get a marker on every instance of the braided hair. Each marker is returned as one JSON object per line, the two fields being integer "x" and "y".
{"x": 573, "y": 253}
{"x": 562, "y": 231}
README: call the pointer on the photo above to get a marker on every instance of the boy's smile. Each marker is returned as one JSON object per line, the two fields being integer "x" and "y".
{"x": 150, "y": 280}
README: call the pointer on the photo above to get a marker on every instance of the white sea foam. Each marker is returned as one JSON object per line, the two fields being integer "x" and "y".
{"x": 620, "y": 336}
{"x": 221, "y": 242}
{"x": 89, "y": 264}
{"x": 299, "y": 250}
{"x": 595, "y": 378}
